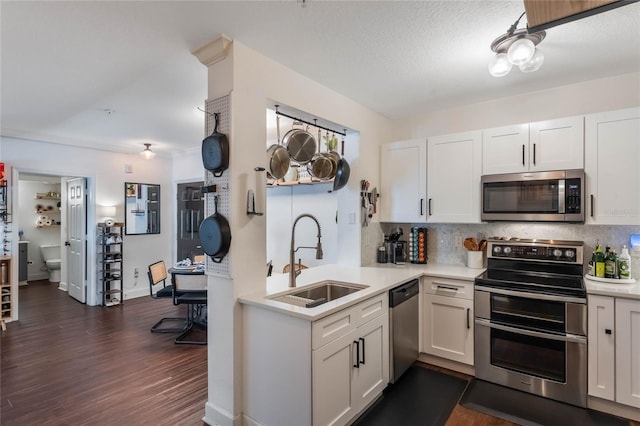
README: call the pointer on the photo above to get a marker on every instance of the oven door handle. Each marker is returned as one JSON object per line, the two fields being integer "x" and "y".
{"x": 529, "y": 295}
{"x": 572, "y": 338}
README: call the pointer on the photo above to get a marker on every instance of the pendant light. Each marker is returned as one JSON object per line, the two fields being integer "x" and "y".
{"x": 516, "y": 47}
{"x": 147, "y": 153}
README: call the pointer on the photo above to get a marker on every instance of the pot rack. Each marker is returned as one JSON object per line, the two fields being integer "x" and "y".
{"x": 317, "y": 126}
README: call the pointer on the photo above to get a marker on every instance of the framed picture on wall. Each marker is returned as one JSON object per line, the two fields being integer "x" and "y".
{"x": 132, "y": 190}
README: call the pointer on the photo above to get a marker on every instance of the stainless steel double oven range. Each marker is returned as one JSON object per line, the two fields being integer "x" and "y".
{"x": 531, "y": 318}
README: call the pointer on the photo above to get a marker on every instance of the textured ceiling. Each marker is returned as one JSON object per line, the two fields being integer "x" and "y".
{"x": 118, "y": 74}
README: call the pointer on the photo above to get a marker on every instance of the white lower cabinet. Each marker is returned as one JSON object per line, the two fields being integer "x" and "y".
{"x": 323, "y": 372}
{"x": 614, "y": 349}
{"x": 628, "y": 352}
{"x": 350, "y": 372}
{"x": 448, "y": 319}
{"x": 601, "y": 347}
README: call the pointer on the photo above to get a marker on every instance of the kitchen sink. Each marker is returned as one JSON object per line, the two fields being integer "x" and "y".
{"x": 317, "y": 294}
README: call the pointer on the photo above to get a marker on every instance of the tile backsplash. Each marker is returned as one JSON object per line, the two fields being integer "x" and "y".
{"x": 441, "y": 238}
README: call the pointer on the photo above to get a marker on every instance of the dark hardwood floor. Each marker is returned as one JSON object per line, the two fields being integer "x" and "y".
{"x": 67, "y": 363}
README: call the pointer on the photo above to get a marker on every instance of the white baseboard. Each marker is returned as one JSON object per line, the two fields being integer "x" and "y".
{"x": 214, "y": 415}
{"x": 62, "y": 286}
{"x": 135, "y": 292}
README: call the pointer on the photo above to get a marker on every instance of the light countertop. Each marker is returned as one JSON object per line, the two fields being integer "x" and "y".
{"x": 629, "y": 291}
{"x": 379, "y": 279}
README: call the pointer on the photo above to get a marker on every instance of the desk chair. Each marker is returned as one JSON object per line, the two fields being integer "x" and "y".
{"x": 195, "y": 297}
{"x": 158, "y": 275}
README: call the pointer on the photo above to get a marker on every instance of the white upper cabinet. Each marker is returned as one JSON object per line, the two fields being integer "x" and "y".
{"x": 454, "y": 164}
{"x": 505, "y": 149}
{"x": 612, "y": 159}
{"x": 403, "y": 181}
{"x": 556, "y": 144}
{"x": 540, "y": 146}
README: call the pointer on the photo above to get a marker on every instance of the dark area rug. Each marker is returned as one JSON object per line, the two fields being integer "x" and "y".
{"x": 529, "y": 410}
{"x": 420, "y": 397}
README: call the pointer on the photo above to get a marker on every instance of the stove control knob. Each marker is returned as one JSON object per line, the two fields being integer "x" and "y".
{"x": 507, "y": 250}
{"x": 497, "y": 249}
{"x": 569, "y": 254}
{"x": 557, "y": 253}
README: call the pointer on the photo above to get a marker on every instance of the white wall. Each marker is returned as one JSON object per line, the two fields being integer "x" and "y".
{"x": 256, "y": 82}
{"x": 606, "y": 94}
{"x": 106, "y": 169}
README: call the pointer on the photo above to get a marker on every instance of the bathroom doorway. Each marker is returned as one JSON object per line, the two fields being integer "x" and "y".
{"x": 40, "y": 213}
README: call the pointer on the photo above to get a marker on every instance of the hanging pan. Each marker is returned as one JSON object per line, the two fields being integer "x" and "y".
{"x": 301, "y": 145}
{"x": 215, "y": 235}
{"x": 342, "y": 173}
{"x": 321, "y": 166}
{"x": 215, "y": 151}
{"x": 278, "y": 159}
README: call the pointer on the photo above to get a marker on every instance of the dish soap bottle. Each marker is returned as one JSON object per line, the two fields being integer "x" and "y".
{"x": 598, "y": 262}
{"x": 610, "y": 264}
{"x": 624, "y": 263}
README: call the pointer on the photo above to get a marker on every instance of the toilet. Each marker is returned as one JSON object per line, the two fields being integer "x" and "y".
{"x": 51, "y": 256}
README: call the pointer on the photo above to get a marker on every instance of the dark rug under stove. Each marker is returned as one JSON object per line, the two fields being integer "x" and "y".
{"x": 529, "y": 410}
{"x": 420, "y": 397}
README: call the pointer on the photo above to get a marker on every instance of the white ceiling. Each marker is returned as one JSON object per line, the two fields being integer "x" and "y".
{"x": 118, "y": 74}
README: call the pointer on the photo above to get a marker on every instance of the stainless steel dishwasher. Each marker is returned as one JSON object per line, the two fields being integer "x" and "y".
{"x": 403, "y": 304}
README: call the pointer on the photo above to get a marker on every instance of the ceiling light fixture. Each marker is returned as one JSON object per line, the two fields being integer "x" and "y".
{"x": 147, "y": 153}
{"x": 516, "y": 47}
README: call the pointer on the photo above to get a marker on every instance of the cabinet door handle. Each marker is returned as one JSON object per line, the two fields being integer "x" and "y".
{"x": 534, "y": 154}
{"x": 523, "y": 154}
{"x": 362, "y": 340}
{"x": 468, "y": 323}
{"x": 591, "y": 201}
{"x": 357, "y": 363}
{"x": 607, "y": 331}
{"x": 429, "y": 206}
{"x": 421, "y": 206}
{"x": 447, "y": 288}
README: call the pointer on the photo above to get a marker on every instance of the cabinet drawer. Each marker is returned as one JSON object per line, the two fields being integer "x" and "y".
{"x": 333, "y": 327}
{"x": 448, "y": 287}
{"x": 343, "y": 322}
{"x": 371, "y": 308}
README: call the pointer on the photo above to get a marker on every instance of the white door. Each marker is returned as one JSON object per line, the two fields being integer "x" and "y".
{"x": 556, "y": 144}
{"x": 331, "y": 377}
{"x": 505, "y": 149}
{"x": 448, "y": 328}
{"x": 453, "y": 178}
{"x": 612, "y": 155}
{"x": 76, "y": 238}
{"x": 628, "y": 352}
{"x": 601, "y": 347}
{"x": 403, "y": 181}
{"x": 372, "y": 374}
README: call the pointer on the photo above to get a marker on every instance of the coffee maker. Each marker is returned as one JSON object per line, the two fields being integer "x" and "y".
{"x": 394, "y": 248}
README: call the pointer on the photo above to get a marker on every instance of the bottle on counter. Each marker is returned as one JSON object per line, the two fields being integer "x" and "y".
{"x": 624, "y": 263}
{"x": 610, "y": 263}
{"x": 598, "y": 262}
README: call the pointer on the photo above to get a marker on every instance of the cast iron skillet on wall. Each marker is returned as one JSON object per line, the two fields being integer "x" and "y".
{"x": 215, "y": 235}
{"x": 215, "y": 150}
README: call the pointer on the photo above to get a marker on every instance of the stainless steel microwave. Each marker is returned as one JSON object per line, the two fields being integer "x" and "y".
{"x": 556, "y": 196}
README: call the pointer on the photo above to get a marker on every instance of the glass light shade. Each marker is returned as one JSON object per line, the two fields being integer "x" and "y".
{"x": 521, "y": 51}
{"x": 499, "y": 65}
{"x": 147, "y": 153}
{"x": 534, "y": 64}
